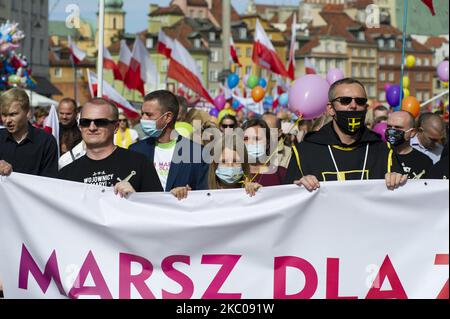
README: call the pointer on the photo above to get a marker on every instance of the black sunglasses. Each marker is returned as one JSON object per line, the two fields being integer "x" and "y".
{"x": 346, "y": 100}
{"x": 228, "y": 125}
{"x": 97, "y": 122}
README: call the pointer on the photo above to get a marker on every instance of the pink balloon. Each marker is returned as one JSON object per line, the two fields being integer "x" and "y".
{"x": 380, "y": 128}
{"x": 308, "y": 96}
{"x": 219, "y": 102}
{"x": 387, "y": 86}
{"x": 442, "y": 71}
{"x": 334, "y": 75}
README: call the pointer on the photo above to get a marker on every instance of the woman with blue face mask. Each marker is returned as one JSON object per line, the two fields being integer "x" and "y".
{"x": 262, "y": 149}
{"x": 229, "y": 168}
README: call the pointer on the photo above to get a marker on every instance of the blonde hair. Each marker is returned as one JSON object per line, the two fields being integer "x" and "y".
{"x": 14, "y": 95}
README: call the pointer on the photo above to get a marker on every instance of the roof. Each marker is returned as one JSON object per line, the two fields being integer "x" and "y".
{"x": 171, "y": 10}
{"x": 182, "y": 31}
{"x": 307, "y": 47}
{"x": 435, "y": 42}
{"x": 197, "y": 3}
{"x": 45, "y": 87}
{"x": 59, "y": 28}
{"x": 216, "y": 11}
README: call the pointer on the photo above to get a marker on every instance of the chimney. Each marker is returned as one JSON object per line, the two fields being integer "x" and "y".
{"x": 152, "y": 7}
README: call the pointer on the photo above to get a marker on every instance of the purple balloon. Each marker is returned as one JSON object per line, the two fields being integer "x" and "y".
{"x": 219, "y": 102}
{"x": 380, "y": 128}
{"x": 442, "y": 71}
{"x": 387, "y": 86}
{"x": 308, "y": 96}
{"x": 334, "y": 75}
{"x": 214, "y": 112}
{"x": 393, "y": 95}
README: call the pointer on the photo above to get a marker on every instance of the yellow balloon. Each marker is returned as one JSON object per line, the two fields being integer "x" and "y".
{"x": 410, "y": 61}
{"x": 445, "y": 84}
{"x": 406, "y": 82}
{"x": 225, "y": 112}
{"x": 184, "y": 129}
{"x": 406, "y": 93}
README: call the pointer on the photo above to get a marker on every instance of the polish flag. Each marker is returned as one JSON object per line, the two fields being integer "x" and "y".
{"x": 164, "y": 45}
{"x": 142, "y": 70}
{"x": 309, "y": 67}
{"x": 111, "y": 94}
{"x": 109, "y": 64}
{"x": 233, "y": 53}
{"x": 291, "y": 64}
{"x": 264, "y": 53}
{"x": 183, "y": 68}
{"x": 77, "y": 54}
{"x": 124, "y": 59}
{"x": 429, "y": 4}
{"x": 51, "y": 124}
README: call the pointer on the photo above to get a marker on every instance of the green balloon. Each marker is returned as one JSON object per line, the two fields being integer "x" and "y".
{"x": 252, "y": 81}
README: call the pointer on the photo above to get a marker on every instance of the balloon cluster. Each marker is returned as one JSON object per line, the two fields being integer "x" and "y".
{"x": 14, "y": 68}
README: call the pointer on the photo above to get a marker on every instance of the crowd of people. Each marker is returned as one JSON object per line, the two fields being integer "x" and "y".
{"x": 99, "y": 145}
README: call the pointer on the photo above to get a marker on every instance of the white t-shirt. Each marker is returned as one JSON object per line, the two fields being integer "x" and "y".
{"x": 163, "y": 160}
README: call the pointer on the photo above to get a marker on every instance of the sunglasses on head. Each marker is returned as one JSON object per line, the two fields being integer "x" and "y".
{"x": 97, "y": 122}
{"x": 346, "y": 100}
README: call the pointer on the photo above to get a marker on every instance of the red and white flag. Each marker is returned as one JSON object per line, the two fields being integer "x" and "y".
{"x": 184, "y": 69}
{"x": 142, "y": 70}
{"x": 309, "y": 67}
{"x": 429, "y": 4}
{"x": 77, "y": 54}
{"x": 164, "y": 45}
{"x": 109, "y": 64}
{"x": 111, "y": 94}
{"x": 264, "y": 53}
{"x": 124, "y": 59}
{"x": 291, "y": 64}
{"x": 233, "y": 53}
{"x": 51, "y": 124}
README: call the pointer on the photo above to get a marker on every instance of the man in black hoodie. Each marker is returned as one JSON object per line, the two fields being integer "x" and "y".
{"x": 344, "y": 149}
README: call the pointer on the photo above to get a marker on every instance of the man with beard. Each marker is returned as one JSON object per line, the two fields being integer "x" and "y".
{"x": 400, "y": 130}
{"x": 69, "y": 133}
{"x": 344, "y": 149}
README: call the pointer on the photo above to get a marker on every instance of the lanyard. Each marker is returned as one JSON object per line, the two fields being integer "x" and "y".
{"x": 364, "y": 166}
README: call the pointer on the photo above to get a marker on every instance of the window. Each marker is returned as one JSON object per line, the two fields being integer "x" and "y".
{"x": 323, "y": 66}
{"x": 372, "y": 53}
{"x": 391, "y": 77}
{"x": 213, "y": 75}
{"x": 164, "y": 65}
{"x": 328, "y": 47}
{"x": 381, "y": 95}
{"x": 409, "y": 44}
{"x": 58, "y": 72}
{"x": 372, "y": 71}
{"x": 338, "y": 48}
{"x": 363, "y": 53}
{"x": 354, "y": 52}
{"x": 79, "y": 73}
{"x": 149, "y": 43}
{"x": 426, "y": 96}
{"x": 426, "y": 77}
{"x": 419, "y": 95}
{"x": 419, "y": 77}
{"x": 391, "y": 60}
{"x": 382, "y": 76}
{"x": 238, "y": 52}
{"x": 392, "y": 43}
{"x": 212, "y": 36}
{"x": 355, "y": 72}
{"x": 361, "y": 36}
{"x": 249, "y": 52}
{"x": 114, "y": 24}
{"x": 418, "y": 61}
{"x": 372, "y": 91}
{"x": 199, "y": 65}
{"x": 214, "y": 56}
{"x": 382, "y": 60}
{"x": 426, "y": 62}
{"x": 243, "y": 33}
{"x": 297, "y": 45}
{"x": 364, "y": 71}
{"x": 197, "y": 43}
{"x": 380, "y": 43}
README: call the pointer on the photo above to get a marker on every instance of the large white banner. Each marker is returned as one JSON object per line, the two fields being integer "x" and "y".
{"x": 61, "y": 239}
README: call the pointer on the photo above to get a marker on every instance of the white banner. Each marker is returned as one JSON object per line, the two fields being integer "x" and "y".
{"x": 356, "y": 239}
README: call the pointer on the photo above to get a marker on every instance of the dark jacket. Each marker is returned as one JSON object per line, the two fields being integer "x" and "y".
{"x": 187, "y": 166}
{"x": 312, "y": 157}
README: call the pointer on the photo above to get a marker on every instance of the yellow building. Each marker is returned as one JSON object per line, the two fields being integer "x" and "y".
{"x": 114, "y": 21}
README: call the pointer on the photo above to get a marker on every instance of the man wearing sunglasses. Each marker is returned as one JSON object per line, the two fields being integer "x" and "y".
{"x": 344, "y": 149}
{"x": 105, "y": 164}
{"x": 400, "y": 130}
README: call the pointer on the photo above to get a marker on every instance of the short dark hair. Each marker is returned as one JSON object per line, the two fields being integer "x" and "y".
{"x": 168, "y": 102}
{"x": 333, "y": 87}
{"x": 428, "y": 116}
{"x": 69, "y": 100}
{"x": 103, "y": 101}
{"x": 183, "y": 103}
{"x": 229, "y": 117}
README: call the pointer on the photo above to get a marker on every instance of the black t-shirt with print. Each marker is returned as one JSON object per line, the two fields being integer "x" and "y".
{"x": 107, "y": 172}
{"x": 415, "y": 164}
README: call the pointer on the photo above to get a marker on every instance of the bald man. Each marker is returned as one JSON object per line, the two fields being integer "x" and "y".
{"x": 400, "y": 130}
{"x": 430, "y": 136}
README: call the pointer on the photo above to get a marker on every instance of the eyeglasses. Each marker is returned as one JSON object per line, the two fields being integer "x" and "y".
{"x": 228, "y": 126}
{"x": 97, "y": 122}
{"x": 346, "y": 100}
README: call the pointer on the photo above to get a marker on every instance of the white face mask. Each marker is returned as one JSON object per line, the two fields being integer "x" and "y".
{"x": 256, "y": 150}
{"x": 229, "y": 175}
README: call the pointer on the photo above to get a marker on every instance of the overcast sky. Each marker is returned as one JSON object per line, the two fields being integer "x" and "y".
{"x": 137, "y": 10}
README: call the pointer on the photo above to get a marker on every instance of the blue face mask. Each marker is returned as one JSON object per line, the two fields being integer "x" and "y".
{"x": 150, "y": 129}
{"x": 256, "y": 150}
{"x": 229, "y": 175}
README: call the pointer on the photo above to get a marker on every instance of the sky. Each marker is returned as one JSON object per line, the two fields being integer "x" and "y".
{"x": 137, "y": 10}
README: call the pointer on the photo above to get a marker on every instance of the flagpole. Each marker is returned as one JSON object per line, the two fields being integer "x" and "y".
{"x": 405, "y": 20}
{"x": 101, "y": 36}
{"x": 75, "y": 80}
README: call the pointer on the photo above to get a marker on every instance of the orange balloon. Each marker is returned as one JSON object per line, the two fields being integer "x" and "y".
{"x": 411, "y": 105}
{"x": 258, "y": 94}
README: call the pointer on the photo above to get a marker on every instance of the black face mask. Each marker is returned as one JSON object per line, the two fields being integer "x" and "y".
{"x": 350, "y": 122}
{"x": 395, "y": 137}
